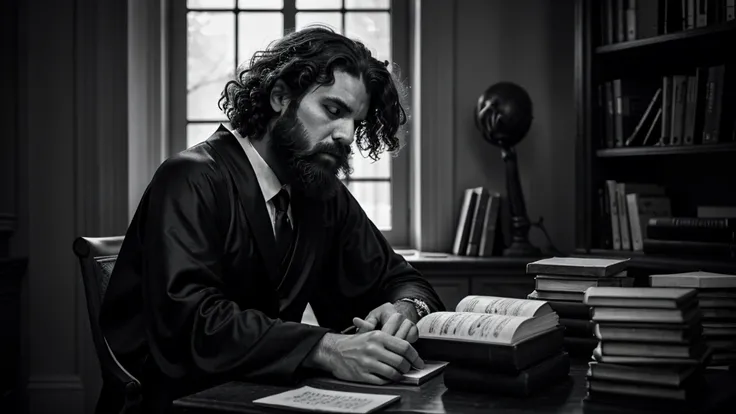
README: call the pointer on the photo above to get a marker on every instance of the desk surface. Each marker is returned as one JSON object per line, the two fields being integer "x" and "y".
{"x": 432, "y": 397}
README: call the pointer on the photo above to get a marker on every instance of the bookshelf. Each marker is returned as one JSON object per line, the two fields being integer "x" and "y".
{"x": 693, "y": 175}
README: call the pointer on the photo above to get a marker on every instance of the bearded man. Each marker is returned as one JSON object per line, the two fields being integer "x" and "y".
{"x": 234, "y": 236}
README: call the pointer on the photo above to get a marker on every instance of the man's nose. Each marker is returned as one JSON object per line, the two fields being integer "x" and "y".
{"x": 344, "y": 133}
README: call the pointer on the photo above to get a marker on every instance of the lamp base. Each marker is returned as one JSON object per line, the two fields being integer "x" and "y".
{"x": 520, "y": 245}
{"x": 522, "y": 249}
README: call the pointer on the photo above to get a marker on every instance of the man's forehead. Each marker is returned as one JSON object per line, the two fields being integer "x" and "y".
{"x": 348, "y": 88}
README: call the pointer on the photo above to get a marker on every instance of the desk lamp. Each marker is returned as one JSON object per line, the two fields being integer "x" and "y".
{"x": 503, "y": 115}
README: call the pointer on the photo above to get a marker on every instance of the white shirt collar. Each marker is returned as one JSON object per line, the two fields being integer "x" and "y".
{"x": 267, "y": 180}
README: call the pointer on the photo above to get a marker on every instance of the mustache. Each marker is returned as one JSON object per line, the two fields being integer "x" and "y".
{"x": 338, "y": 151}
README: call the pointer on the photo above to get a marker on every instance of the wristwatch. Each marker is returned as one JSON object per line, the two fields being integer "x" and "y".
{"x": 421, "y": 307}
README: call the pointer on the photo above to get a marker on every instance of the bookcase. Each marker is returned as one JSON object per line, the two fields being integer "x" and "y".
{"x": 639, "y": 65}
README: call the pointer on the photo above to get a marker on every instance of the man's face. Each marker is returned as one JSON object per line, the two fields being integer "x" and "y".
{"x": 314, "y": 139}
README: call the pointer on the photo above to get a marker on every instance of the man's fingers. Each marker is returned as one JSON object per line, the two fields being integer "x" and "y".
{"x": 392, "y": 325}
{"x": 404, "y": 348}
{"x": 399, "y": 362}
{"x": 386, "y": 371}
{"x": 404, "y": 329}
{"x": 372, "y": 379}
{"x": 413, "y": 334}
{"x": 363, "y": 325}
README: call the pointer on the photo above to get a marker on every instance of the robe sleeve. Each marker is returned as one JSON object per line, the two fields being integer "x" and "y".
{"x": 365, "y": 271}
{"x": 193, "y": 329}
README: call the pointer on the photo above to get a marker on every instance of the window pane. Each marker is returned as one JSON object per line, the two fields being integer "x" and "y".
{"x": 261, "y": 4}
{"x": 318, "y": 4}
{"x": 365, "y": 167}
{"x": 334, "y": 20}
{"x": 211, "y": 4}
{"x": 366, "y": 4}
{"x": 375, "y": 198}
{"x": 210, "y": 61}
{"x": 197, "y": 133}
{"x": 256, "y": 31}
{"x": 373, "y": 29}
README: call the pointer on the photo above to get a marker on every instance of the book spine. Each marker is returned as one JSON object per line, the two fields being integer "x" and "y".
{"x": 691, "y": 248}
{"x": 613, "y": 205}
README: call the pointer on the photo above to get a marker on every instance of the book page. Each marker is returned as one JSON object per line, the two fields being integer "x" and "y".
{"x": 498, "y": 305}
{"x": 318, "y": 400}
{"x": 476, "y": 327}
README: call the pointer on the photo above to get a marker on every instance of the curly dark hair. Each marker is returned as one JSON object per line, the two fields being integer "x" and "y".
{"x": 309, "y": 56}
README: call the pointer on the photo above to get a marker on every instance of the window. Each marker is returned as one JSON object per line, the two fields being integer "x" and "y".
{"x": 220, "y": 35}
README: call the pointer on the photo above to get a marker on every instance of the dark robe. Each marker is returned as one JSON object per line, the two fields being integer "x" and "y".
{"x": 198, "y": 296}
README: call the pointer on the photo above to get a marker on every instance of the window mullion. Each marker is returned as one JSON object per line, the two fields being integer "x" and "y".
{"x": 289, "y": 15}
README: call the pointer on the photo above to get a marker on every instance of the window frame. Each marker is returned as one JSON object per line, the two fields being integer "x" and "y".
{"x": 398, "y": 235}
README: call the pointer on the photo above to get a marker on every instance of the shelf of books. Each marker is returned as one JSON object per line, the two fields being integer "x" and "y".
{"x": 657, "y": 128}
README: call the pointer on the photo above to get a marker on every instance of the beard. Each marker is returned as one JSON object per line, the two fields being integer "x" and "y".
{"x": 312, "y": 171}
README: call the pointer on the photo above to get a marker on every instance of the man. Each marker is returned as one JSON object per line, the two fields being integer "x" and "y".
{"x": 234, "y": 236}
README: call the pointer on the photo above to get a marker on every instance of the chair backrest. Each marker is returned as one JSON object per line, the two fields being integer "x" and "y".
{"x": 97, "y": 258}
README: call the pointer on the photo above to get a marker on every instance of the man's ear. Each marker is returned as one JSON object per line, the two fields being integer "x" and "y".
{"x": 279, "y": 98}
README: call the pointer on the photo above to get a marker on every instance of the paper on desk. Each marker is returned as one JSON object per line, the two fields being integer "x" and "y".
{"x": 328, "y": 401}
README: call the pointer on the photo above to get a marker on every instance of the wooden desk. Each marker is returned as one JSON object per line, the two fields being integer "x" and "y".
{"x": 432, "y": 397}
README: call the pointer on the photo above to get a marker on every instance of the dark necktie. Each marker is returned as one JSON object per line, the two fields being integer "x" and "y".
{"x": 284, "y": 232}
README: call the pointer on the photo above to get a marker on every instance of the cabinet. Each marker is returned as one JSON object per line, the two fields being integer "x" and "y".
{"x": 11, "y": 384}
{"x": 454, "y": 277}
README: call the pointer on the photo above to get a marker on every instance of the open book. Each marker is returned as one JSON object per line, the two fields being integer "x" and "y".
{"x": 490, "y": 319}
{"x": 327, "y": 401}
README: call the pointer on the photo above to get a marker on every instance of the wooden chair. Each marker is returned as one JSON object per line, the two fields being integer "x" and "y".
{"x": 97, "y": 258}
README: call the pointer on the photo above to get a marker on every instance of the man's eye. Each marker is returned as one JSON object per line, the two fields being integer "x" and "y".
{"x": 333, "y": 110}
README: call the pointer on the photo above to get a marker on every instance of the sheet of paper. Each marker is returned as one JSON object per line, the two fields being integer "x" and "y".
{"x": 327, "y": 401}
{"x": 477, "y": 327}
{"x": 501, "y": 306}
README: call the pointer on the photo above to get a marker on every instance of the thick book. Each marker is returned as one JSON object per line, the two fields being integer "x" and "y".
{"x": 696, "y": 280}
{"x": 577, "y": 266}
{"x": 693, "y": 350}
{"x": 504, "y": 334}
{"x": 327, "y": 401}
{"x": 477, "y": 216}
{"x": 645, "y": 360}
{"x": 524, "y": 383}
{"x": 663, "y": 376}
{"x": 465, "y": 222}
{"x": 489, "y": 320}
{"x": 692, "y": 389}
{"x": 552, "y": 283}
{"x": 648, "y": 332}
{"x": 719, "y": 230}
{"x": 640, "y": 297}
{"x": 551, "y": 295}
{"x": 663, "y": 316}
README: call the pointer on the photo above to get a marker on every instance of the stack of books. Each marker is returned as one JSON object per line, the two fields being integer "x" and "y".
{"x": 717, "y": 299}
{"x": 562, "y": 282}
{"x": 650, "y": 345}
{"x": 496, "y": 345}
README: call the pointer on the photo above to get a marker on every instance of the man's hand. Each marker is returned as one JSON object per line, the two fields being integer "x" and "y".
{"x": 394, "y": 319}
{"x": 371, "y": 357}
